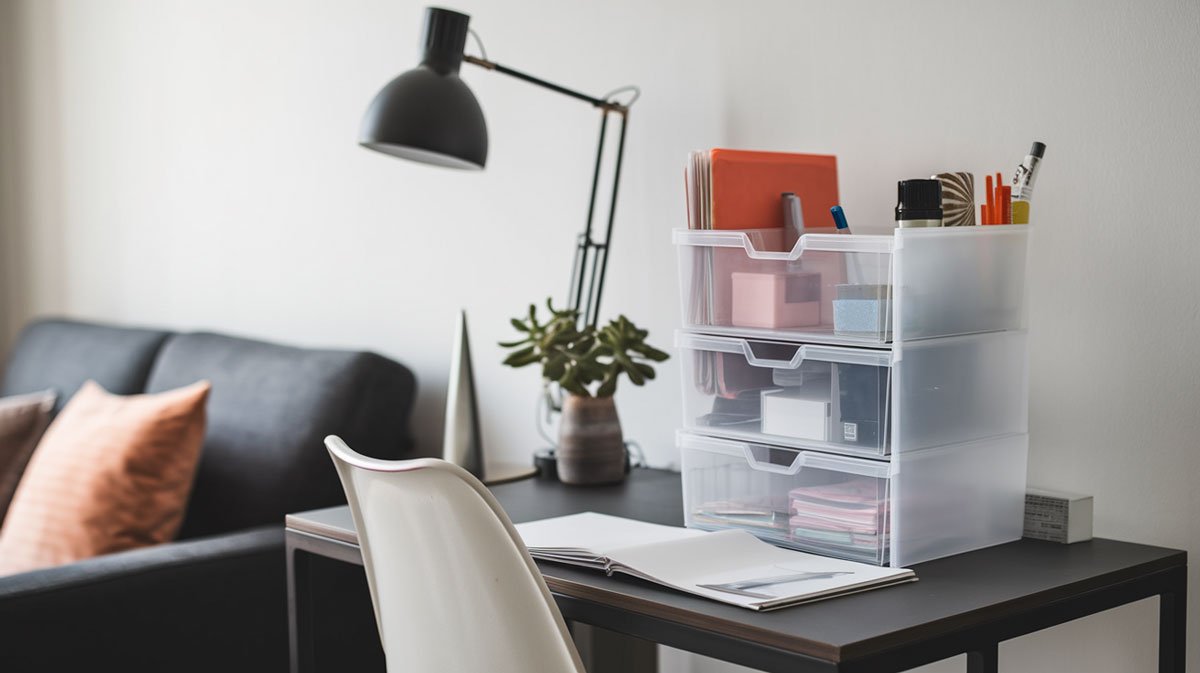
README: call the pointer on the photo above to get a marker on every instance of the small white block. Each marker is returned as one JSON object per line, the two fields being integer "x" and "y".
{"x": 801, "y": 412}
{"x": 1057, "y": 516}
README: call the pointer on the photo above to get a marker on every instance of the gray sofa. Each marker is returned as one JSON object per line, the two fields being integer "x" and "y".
{"x": 216, "y": 598}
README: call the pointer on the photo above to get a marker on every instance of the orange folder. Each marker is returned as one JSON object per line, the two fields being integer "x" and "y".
{"x": 746, "y": 187}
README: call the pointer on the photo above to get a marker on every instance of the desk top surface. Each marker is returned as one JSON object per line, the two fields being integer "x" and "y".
{"x": 950, "y": 593}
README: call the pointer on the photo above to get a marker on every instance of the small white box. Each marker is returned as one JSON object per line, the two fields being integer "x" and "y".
{"x": 1057, "y": 517}
{"x": 802, "y": 412}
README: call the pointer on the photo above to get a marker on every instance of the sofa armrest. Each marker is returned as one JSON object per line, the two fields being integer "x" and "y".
{"x": 216, "y": 603}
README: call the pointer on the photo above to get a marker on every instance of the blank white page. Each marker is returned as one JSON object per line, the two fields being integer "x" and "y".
{"x": 598, "y": 534}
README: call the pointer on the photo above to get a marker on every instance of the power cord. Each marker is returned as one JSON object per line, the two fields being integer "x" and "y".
{"x": 637, "y": 93}
{"x": 479, "y": 42}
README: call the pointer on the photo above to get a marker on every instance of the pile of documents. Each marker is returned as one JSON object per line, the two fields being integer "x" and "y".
{"x": 847, "y": 519}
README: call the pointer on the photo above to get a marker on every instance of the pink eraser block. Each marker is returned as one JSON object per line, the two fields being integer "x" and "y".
{"x": 776, "y": 300}
{"x": 728, "y": 261}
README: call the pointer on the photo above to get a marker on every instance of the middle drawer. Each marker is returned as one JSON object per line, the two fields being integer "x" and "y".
{"x": 855, "y": 401}
{"x": 808, "y": 396}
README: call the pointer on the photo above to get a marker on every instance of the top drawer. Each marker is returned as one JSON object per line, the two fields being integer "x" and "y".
{"x": 853, "y": 290}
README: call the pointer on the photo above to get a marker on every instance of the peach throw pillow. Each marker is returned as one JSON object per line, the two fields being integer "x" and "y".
{"x": 111, "y": 473}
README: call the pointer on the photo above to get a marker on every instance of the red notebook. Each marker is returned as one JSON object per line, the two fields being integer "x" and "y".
{"x": 746, "y": 187}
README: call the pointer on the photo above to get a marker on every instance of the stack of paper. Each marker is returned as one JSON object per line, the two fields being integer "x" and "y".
{"x": 847, "y": 519}
{"x": 730, "y": 566}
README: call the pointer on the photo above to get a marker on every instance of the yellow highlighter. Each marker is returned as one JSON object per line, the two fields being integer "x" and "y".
{"x": 1022, "y": 186}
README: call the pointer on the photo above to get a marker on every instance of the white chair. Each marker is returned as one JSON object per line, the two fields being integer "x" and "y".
{"x": 453, "y": 586}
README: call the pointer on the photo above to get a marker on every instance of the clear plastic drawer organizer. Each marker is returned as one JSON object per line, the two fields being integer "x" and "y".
{"x": 853, "y": 290}
{"x": 857, "y": 396}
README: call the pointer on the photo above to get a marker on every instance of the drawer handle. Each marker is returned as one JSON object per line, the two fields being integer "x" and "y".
{"x": 793, "y": 468}
{"x": 820, "y": 354}
{"x": 756, "y": 361}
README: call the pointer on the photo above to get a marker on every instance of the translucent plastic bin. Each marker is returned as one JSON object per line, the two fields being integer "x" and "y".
{"x": 855, "y": 401}
{"x": 915, "y": 507}
{"x": 820, "y": 503}
{"x": 854, "y": 289}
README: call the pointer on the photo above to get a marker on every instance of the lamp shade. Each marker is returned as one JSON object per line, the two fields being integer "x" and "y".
{"x": 428, "y": 114}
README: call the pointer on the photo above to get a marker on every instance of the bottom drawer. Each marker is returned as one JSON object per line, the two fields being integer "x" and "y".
{"x": 814, "y": 502}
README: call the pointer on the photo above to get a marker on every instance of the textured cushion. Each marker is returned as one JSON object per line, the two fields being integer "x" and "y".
{"x": 270, "y": 410}
{"x": 23, "y": 419}
{"x": 62, "y": 354}
{"x": 111, "y": 473}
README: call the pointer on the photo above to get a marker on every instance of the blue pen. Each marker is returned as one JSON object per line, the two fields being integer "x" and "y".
{"x": 839, "y": 219}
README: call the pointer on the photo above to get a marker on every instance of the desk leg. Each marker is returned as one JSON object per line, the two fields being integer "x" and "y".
{"x": 300, "y": 654}
{"x": 604, "y": 651}
{"x": 1172, "y": 625}
{"x": 984, "y": 660}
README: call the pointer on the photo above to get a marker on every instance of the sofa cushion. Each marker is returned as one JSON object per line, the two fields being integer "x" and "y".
{"x": 270, "y": 410}
{"x": 62, "y": 354}
{"x": 111, "y": 473}
{"x": 23, "y": 419}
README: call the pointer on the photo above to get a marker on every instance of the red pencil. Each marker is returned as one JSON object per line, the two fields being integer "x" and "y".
{"x": 1006, "y": 205}
{"x": 987, "y": 206}
{"x": 998, "y": 204}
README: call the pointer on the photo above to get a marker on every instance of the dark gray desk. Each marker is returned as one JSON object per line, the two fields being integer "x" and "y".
{"x": 962, "y": 604}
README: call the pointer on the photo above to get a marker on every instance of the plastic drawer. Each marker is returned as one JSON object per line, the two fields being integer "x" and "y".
{"x": 741, "y": 281}
{"x": 825, "y": 504}
{"x": 855, "y": 401}
{"x": 803, "y": 395}
{"x": 857, "y": 289}
{"x": 915, "y": 507}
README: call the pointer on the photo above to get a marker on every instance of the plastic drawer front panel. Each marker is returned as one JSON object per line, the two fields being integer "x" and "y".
{"x": 854, "y": 290}
{"x": 806, "y": 396}
{"x": 827, "y": 288}
{"x": 917, "y": 507}
{"x": 855, "y": 401}
{"x": 820, "y": 503}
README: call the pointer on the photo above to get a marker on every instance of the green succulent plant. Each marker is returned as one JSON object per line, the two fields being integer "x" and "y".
{"x": 576, "y": 358}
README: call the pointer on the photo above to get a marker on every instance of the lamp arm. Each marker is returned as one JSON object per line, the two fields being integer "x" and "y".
{"x": 591, "y": 257}
{"x": 492, "y": 65}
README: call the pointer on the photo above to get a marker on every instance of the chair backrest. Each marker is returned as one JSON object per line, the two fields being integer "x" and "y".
{"x": 453, "y": 586}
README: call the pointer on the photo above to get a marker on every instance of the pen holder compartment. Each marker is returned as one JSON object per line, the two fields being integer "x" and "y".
{"x": 820, "y": 503}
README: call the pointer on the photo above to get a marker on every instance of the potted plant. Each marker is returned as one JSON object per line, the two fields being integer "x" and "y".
{"x": 586, "y": 363}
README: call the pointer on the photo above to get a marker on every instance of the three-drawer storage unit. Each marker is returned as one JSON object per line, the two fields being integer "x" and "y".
{"x": 858, "y": 396}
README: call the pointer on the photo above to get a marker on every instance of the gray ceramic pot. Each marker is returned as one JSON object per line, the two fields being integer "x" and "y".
{"x": 591, "y": 449}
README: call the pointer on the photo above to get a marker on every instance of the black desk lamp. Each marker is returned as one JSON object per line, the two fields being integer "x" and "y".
{"x": 429, "y": 115}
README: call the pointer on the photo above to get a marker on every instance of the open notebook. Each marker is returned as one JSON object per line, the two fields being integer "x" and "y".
{"x": 731, "y": 566}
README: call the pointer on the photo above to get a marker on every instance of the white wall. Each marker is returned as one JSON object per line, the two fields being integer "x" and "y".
{"x": 193, "y": 165}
